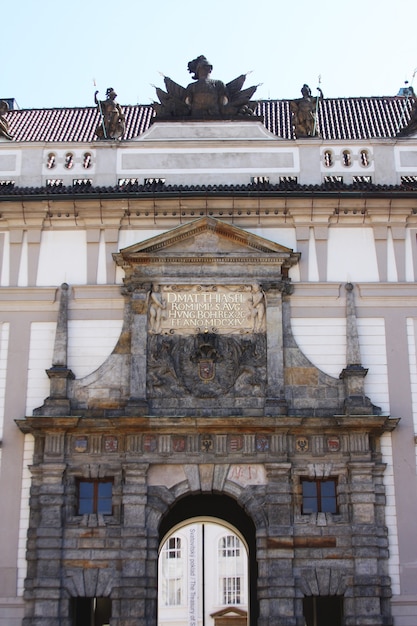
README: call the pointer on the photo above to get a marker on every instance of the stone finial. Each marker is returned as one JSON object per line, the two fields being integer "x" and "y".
{"x": 59, "y": 374}
{"x": 356, "y": 402}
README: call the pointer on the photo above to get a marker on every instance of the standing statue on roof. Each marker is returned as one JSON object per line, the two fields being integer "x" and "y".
{"x": 304, "y": 111}
{"x": 4, "y": 124}
{"x": 206, "y": 98}
{"x": 112, "y": 119}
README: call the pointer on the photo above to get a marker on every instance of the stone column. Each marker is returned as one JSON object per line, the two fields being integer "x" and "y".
{"x": 380, "y": 237}
{"x": 303, "y": 246}
{"x": 137, "y": 594}
{"x": 321, "y": 236}
{"x": 370, "y": 548}
{"x": 34, "y": 247}
{"x": 44, "y": 548}
{"x": 275, "y": 403}
{"x": 138, "y": 303}
{"x": 398, "y": 239}
{"x": 276, "y": 586}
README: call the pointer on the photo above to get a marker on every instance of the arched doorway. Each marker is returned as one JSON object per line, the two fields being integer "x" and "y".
{"x": 216, "y": 530}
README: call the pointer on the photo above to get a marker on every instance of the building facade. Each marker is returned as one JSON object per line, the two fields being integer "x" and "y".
{"x": 209, "y": 323}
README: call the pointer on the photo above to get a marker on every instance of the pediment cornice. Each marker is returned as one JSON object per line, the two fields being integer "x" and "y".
{"x": 206, "y": 241}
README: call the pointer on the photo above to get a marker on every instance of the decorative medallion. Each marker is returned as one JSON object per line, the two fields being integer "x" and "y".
{"x": 301, "y": 444}
{"x": 80, "y": 444}
{"x": 178, "y": 443}
{"x": 110, "y": 444}
{"x": 149, "y": 443}
{"x": 333, "y": 444}
{"x": 206, "y": 443}
{"x": 262, "y": 443}
{"x": 206, "y": 369}
{"x": 235, "y": 443}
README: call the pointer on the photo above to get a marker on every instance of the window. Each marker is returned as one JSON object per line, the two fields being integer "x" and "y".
{"x": 82, "y": 182}
{"x": 51, "y": 162}
{"x": 69, "y": 160}
{"x": 409, "y": 180}
{"x": 231, "y": 590}
{"x": 173, "y": 548}
{"x": 260, "y": 180}
{"x": 95, "y": 496}
{"x": 123, "y": 182}
{"x": 328, "y": 158}
{"x": 231, "y": 567}
{"x": 319, "y": 496}
{"x": 364, "y": 158}
{"x": 362, "y": 180}
{"x": 154, "y": 181}
{"x": 330, "y": 180}
{"x": 173, "y": 591}
{"x": 229, "y": 546}
{"x": 173, "y": 572}
{"x": 346, "y": 158}
{"x": 87, "y": 160}
{"x": 288, "y": 180}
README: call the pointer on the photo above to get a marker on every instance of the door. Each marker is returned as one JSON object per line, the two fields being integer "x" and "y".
{"x": 203, "y": 575}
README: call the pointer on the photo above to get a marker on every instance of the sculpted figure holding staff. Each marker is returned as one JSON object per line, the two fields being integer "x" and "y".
{"x": 112, "y": 123}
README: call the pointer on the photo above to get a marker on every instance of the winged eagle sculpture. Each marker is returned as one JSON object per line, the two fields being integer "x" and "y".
{"x": 204, "y": 98}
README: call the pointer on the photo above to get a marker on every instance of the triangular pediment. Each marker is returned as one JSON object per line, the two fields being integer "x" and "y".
{"x": 201, "y": 238}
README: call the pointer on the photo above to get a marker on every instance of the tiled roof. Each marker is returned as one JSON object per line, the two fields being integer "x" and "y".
{"x": 77, "y": 124}
{"x": 342, "y": 118}
{"x": 136, "y": 190}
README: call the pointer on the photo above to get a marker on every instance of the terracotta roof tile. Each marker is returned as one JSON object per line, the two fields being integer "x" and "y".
{"x": 342, "y": 118}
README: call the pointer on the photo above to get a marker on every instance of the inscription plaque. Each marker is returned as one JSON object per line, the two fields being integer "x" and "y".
{"x": 191, "y": 309}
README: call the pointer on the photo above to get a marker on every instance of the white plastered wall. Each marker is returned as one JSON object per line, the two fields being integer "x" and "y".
{"x": 412, "y": 357}
{"x": 4, "y": 345}
{"x": 323, "y": 341}
{"x": 90, "y": 342}
{"x": 63, "y": 258}
{"x": 352, "y": 255}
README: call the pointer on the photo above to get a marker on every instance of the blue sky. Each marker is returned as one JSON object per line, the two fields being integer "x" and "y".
{"x": 54, "y": 49}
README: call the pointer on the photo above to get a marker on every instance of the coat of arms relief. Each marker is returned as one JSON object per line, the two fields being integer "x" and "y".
{"x": 206, "y": 340}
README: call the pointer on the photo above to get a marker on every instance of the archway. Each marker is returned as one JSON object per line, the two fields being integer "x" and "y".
{"x": 227, "y": 515}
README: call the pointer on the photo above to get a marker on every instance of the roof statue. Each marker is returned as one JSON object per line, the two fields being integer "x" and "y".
{"x": 112, "y": 119}
{"x": 4, "y": 124}
{"x": 205, "y": 98}
{"x": 304, "y": 112}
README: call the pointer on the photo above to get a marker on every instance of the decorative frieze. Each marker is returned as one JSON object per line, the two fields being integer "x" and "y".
{"x": 220, "y": 443}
